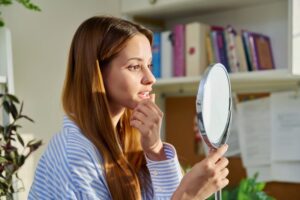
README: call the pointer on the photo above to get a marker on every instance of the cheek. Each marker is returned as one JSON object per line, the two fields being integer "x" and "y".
{"x": 122, "y": 91}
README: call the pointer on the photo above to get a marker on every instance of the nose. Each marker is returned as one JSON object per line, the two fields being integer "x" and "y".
{"x": 148, "y": 78}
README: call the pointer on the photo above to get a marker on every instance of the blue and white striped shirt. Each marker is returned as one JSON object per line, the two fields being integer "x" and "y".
{"x": 70, "y": 168}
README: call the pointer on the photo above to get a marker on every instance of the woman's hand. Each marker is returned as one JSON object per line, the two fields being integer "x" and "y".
{"x": 147, "y": 118}
{"x": 205, "y": 178}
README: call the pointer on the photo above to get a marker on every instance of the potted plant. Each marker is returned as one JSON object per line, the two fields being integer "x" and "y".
{"x": 11, "y": 157}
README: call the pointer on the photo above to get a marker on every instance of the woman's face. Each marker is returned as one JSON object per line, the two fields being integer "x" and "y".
{"x": 128, "y": 78}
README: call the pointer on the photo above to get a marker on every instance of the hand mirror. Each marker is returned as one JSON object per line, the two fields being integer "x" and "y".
{"x": 213, "y": 106}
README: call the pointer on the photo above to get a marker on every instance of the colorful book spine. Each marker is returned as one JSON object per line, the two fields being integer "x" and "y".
{"x": 263, "y": 51}
{"x": 221, "y": 45}
{"x": 156, "y": 51}
{"x": 166, "y": 55}
{"x": 179, "y": 50}
{"x": 209, "y": 49}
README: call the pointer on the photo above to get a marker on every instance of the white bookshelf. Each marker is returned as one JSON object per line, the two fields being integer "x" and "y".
{"x": 277, "y": 18}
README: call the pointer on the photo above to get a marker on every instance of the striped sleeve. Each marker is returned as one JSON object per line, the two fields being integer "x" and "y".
{"x": 165, "y": 175}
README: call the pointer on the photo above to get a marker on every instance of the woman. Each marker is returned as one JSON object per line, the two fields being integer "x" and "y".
{"x": 110, "y": 146}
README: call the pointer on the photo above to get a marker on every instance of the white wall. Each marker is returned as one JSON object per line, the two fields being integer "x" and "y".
{"x": 40, "y": 42}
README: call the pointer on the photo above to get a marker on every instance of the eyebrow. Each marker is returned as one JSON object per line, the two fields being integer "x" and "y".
{"x": 135, "y": 58}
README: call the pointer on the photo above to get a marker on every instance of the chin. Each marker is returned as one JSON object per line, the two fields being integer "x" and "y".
{"x": 134, "y": 103}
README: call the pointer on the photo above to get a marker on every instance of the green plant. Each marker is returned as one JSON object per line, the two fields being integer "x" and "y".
{"x": 248, "y": 189}
{"x": 26, "y": 3}
{"x": 12, "y": 158}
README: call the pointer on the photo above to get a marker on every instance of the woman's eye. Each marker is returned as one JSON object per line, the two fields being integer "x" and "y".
{"x": 150, "y": 66}
{"x": 135, "y": 67}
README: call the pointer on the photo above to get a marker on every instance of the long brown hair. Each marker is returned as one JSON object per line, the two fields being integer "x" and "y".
{"x": 96, "y": 42}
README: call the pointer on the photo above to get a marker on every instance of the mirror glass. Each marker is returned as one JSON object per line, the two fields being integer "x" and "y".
{"x": 213, "y": 105}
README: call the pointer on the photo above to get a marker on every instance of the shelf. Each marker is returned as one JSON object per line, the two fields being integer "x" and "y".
{"x": 257, "y": 81}
{"x": 164, "y": 9}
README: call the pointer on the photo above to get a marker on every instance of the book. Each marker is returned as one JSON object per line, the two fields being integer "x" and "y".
{"x": 214, "y": 42}
{"x": 156, "y": 51}
{"x": 247, "y": 49}
{"x": 241, "y": 53}
{"x": 166, "y": 54}
{"x": 195, "y": 48}
{"x": 262, "y": 51}
{"x": 253, "y": 53}
{"x": 219, "y": 40}
{"x": 209, "y": 49}
{"x": 179, "y": 50}
{"x": 232, "y": 56}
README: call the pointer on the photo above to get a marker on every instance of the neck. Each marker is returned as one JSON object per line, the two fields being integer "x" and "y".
{"x": 116, "y": 115}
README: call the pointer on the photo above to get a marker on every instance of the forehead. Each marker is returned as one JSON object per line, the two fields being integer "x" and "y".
{"x": 137, "y": 46}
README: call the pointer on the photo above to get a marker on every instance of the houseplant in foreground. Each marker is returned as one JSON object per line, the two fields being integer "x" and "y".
{"x": 248, "y": 189}
{"x": 12, "y": 157}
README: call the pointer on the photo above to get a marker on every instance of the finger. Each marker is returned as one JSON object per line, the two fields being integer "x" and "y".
{"x": 224, "y": 173}
{"x": 142, "y": 108}
{"x": 216, "y": 155}
{"x": 148, "y": 107}
{"x": 152, "y": 100}
{"x": 139, "y": 115}
{"x": 150, "y": 104}
{"x": 222, "y": 183}
{"x": 138, "y": 125}
{"x": 222, "y": 163}
{"x": 152, "y": 97}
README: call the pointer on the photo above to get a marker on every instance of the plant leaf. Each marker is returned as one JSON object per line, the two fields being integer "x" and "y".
{"x": 26, "y": 117}
{"x": 6, "y": 106}
{"x": 21, "y": 160}
{"x": 34, "y": 145}
{"x": 13, "y": 98}
{"x": 6, "y": 2}
{"x": 2, "y": 160}
{"x": 20, "y": 139}
{"x": 21, "y": 108}
{"x": 14, "y": 111}
{"x": 259, "y": 186}
{"x": 29, "y": 5}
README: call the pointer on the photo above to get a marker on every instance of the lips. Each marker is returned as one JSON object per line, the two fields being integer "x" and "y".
{"x": 144, "y": 95}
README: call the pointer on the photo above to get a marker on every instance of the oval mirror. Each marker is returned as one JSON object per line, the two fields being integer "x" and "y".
{"x": 213, "y": 106}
